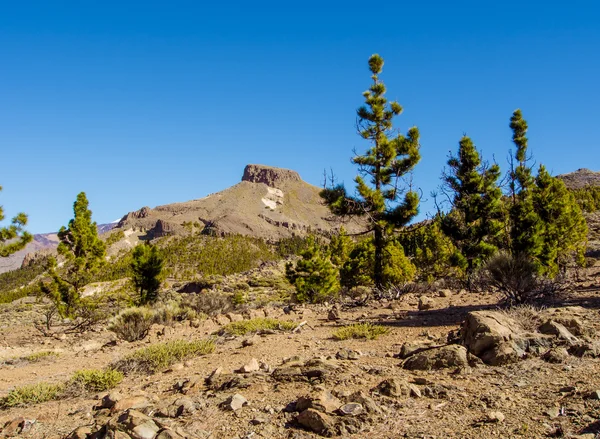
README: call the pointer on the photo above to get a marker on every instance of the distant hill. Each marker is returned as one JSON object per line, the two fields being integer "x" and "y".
{"x": 43, "y": 242}
{"x": 581, "y": 178}
{"x": 269, "y": 203}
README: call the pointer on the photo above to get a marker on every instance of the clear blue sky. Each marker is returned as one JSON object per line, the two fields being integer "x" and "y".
{"x": 148, "y": 103}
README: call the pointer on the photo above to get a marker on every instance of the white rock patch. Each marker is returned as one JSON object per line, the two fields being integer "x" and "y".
{"x": 273, "y": 198}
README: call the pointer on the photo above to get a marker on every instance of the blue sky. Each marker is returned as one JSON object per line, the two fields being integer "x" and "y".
{"x": 148, "y": 103}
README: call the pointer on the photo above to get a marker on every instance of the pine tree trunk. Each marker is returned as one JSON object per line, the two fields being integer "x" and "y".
{"x": 379, "y": 245}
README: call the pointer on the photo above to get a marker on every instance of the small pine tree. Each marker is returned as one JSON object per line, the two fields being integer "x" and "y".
{"x": 13, "y": 238}
{"x": 564, "y": 229}
{"x": 390, "y": 157}
{"x": 314, "y": 276}
{"x": 359, "y": 268}
{"x": 475, "y": 222}
{"x": 147, "y": 268}
{"x": 340, "y": 247}
{"x": 84, "y": 255}
{"x": 430, "y": 250}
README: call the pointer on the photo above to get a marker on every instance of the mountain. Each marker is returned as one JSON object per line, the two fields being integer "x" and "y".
{"x": 269, "y": 203}
{"x": 42, "y": 243}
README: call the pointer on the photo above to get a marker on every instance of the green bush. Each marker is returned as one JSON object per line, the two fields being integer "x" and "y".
{"x": 132, "y": 324}
{"x": 39, "y": 356}
{"x": 359, "y": 268}
{"x": 360, "y": 330}
{"x": 92, "y": 380}
{"x": 258, "y": 324}
{"x": 159, "y": 356}
{"x": 32, "y": 394}
{"x": 314, "y": 276}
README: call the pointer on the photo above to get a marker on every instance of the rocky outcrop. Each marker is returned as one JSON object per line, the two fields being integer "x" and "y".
{"x": 273, "y": 177}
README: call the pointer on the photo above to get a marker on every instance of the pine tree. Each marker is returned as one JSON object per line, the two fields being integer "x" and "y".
{"x": 340, "y": 247}
{"x": 147, "y": 266}
{"x": 314, "y": 276}
{"x": 564, "y": 229}
{"x": 84, "y": 254}
{"x": 390, "y": 157}
{"x": 13, "y": 238}
{"x": 475, "y": 222}
{"x": 525, "y": 225}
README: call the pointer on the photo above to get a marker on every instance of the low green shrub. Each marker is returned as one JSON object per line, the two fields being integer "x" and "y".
{"x": 258, "y": 324}
{"x": 159, "y": 356}
{"x": 39, "y": 356}
{"x": 360, "y": 330}
{"x": 32, "y": 394}
{"x": 93, "y": 380}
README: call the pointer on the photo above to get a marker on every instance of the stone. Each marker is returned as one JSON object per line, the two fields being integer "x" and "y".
{"x": 426, "y": 303}
{"x": 438, "y": 358}
{"x": 110, "y": 399}
{"x": 334, "y": 313}
{"x": 221, "y": 320}
{"x": 414, "y": 391}
{"x": 247, "y": 342}
{"x": 445, "y": 293}
{"x": 554, "y": 328}
{"x": 411, "y": 348}
{"x": 168, "y": 434}
{"x": 366, "y": 401}
{"x": 556, "y": 355}
{"x": 594, "y": 395}
{"x": 351, "y": 409}
{"x": 134, "y": 402}
{"x": 80, "y": 433}
{"x": 235, "y": 317}
{"x": 138, "y": 425}
{"x": 496, "y": 417}
{"x": 316, "y": 421}
{"x": 323, "y": 401}
{"x": 251, "y": 366}
{"x": 259, "y": 420}
{"x": 235, "y": 402}
{"x": 393, "y": 387}
{"x": 13, "y": 427}
{"x": 553, "y": 412}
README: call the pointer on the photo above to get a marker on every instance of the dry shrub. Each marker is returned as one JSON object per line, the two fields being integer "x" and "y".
{"x": 210, "y": 303}
{"x": 132, "y": 324}
{"x": 516, "y": 278}
{"x": 527, "y": 316}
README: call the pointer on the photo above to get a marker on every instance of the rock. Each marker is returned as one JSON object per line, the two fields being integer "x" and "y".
{"x": 414, "y": 391}
{"x": 110, "y": 399}
{"x": 351, "y": 409}
{"x": 426, "y": 303}
{"x": 411, "y": 348}
{"x": 13, "y": 427}
{"x": 316, "y": 421}
{"x": 234, "y": 317}
{"x": 438, "y": 358}
{"x": 80, "y": 433}
{"x": 221, "y": 320}
{"x": 366, "y": 401}
{"x": 496, "y": 338}
{"x": 555, "y": 328}
{"x": 594, "y": 394}
{"x": 445, "y": 293}
{"x": 556, "y": 355}
{"x": 584, "y": 349}
{"x": 323, "y": 401}
{"x": 348, "y": 354}
{"x": 248, "y": 342}
{"x": 138, "y": 425}
{"x": 234, "y": 402}
{"x": 168, "y": 434}
{"x": 134, "y": 402}
{"x": 553, "y": 412}
{"x": 251, "y": 366}
{"x": 393, "y": 387}
{"x": 259, "y": 420}
{"x": 496, "y": 417}
{"x": 334, "y": 313}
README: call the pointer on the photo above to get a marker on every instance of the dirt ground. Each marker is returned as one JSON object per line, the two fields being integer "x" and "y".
{"x": 535, "y": 398}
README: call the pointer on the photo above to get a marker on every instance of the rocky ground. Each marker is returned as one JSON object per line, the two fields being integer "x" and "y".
{"x": 458, "y": 367}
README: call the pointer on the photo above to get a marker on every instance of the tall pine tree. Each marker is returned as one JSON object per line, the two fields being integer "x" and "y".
{"x": 525, "y": 225}
{"x": 475, "y": 222}
{"x": 13, "y": 238}
{"x": 380, "y": 199}
{"x": 84, "y": 254}
{"x": 147, "y": 268}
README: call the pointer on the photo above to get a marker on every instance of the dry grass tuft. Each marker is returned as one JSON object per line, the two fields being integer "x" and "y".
{"x": 360, "y": 331}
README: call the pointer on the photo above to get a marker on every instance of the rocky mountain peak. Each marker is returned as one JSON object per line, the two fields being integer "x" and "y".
{"x": 581, "y": 178}
{"x": 273, "y": 177}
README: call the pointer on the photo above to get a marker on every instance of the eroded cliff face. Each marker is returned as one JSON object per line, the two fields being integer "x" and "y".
{"x": 273, "y": 177}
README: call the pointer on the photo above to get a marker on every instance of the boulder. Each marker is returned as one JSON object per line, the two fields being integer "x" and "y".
{"x": 316, "y": 421}
{"x": 438, "y": 358}
{"x": 393, "y": 387}
{"x": 426, "y": 303}
{"x": 554, "y": 328}
{"x": 323, "y": 401}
